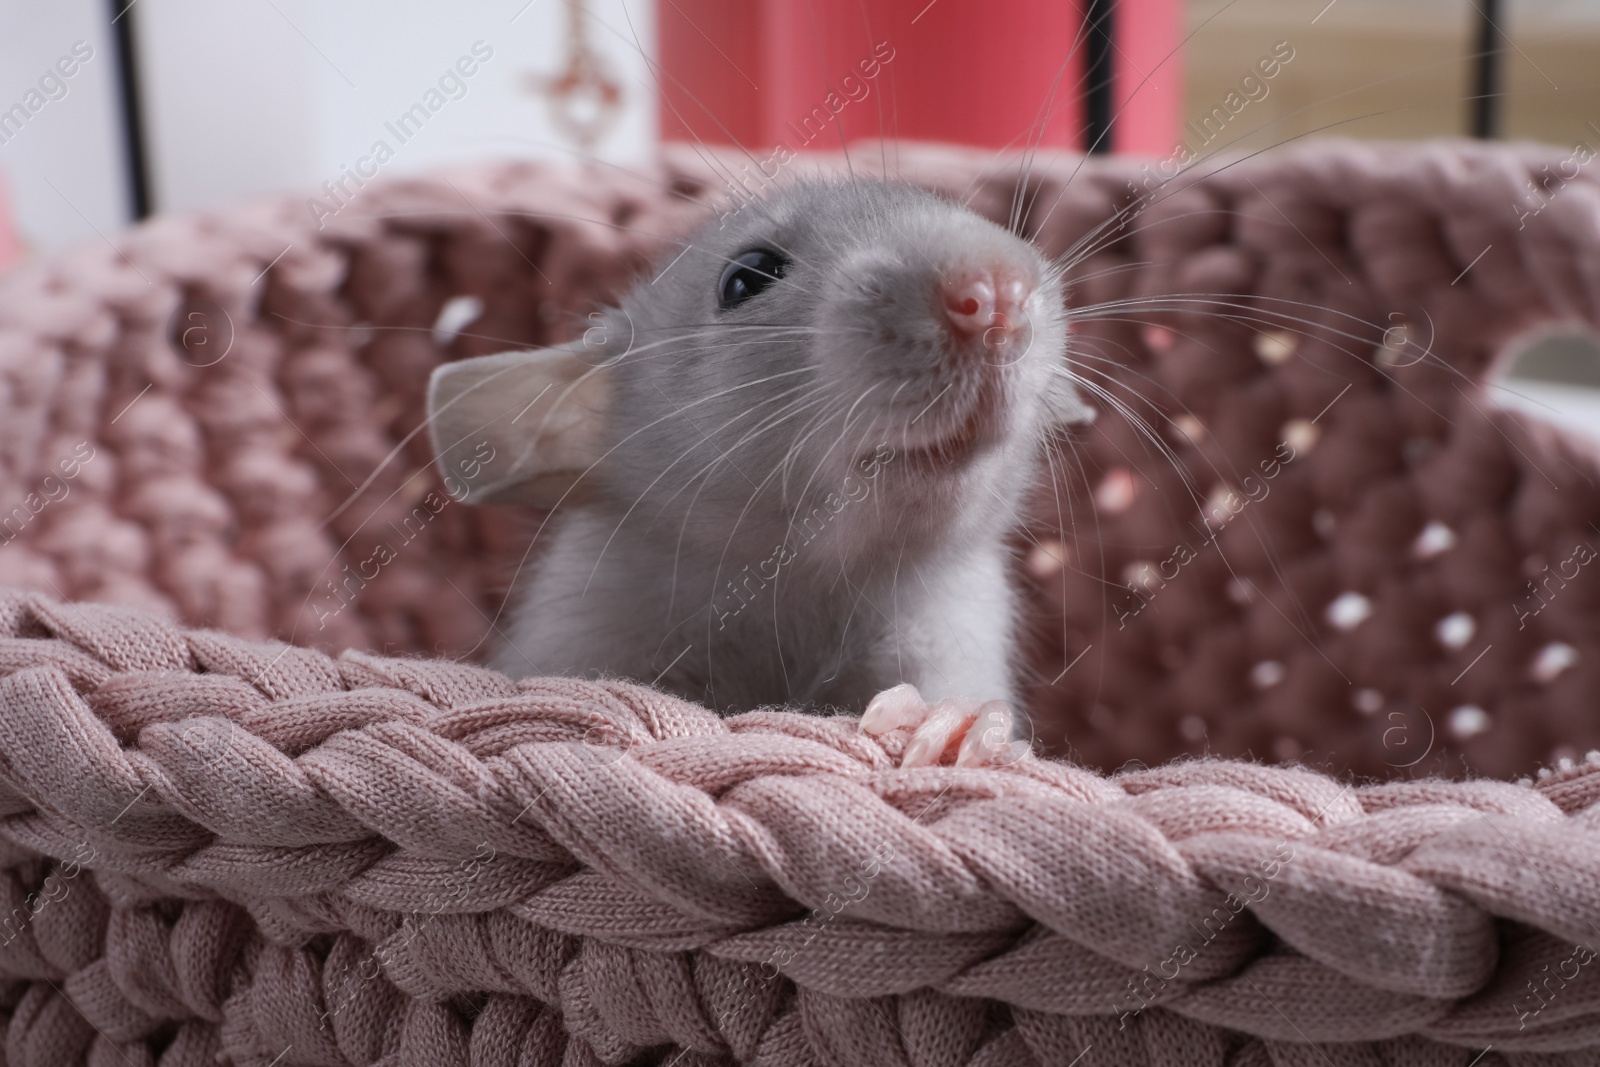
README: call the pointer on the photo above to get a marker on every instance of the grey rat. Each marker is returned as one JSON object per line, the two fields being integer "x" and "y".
{"x": 784, "y": 468}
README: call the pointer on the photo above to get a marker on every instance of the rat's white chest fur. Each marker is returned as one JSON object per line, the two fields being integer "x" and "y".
{"x": 792, "y": 630}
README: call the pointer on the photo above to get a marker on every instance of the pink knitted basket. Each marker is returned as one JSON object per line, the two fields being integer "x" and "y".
{"x": 219, "y": 847}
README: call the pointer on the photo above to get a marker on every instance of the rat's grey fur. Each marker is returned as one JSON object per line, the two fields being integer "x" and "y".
{"x": 779, "y": 436}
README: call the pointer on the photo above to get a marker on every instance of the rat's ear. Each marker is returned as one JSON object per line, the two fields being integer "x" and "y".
{"x": 519, "y": 427}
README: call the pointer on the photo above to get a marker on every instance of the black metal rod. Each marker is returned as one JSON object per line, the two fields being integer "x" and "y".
{"x": 1491, "y": 50}
{"x": 1100, "y": 76}
{"x": 135, "y": 158}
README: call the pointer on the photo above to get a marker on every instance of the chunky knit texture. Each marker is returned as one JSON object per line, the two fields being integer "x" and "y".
{"x": 250, "y": 385}
{"x": 217, "y": 845}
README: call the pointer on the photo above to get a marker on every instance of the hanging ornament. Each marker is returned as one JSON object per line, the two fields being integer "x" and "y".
{"x": 585, "y": 98}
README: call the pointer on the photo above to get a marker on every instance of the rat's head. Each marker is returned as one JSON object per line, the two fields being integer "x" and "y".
{"x": 834, "y": 333}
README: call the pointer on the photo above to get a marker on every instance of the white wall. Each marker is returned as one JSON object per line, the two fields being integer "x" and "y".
{"x": 63, "y": 170}
{"x": 255, "y": 96}
{"x": 263, "y": 95}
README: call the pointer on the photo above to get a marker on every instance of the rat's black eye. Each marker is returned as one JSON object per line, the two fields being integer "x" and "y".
{"x": 747, "y": 274}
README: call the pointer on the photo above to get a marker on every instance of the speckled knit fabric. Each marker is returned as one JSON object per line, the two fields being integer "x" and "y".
{"x": 215, "y": 845}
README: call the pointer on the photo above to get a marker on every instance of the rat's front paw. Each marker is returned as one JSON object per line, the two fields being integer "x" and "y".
{"x": 976, "y": 734}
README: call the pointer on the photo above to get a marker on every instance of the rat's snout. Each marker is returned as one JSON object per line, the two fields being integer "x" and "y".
{"x": 985, "y": 303}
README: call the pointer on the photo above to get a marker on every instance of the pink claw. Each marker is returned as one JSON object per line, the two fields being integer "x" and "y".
{"x": 992, "y": 739}
{"x": 901, "y": 707}
{"x": 955, "y": 729}
{"x": 947, "y": 722}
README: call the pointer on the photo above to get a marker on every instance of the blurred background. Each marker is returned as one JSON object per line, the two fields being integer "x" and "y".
{"x": 172, "y": 105}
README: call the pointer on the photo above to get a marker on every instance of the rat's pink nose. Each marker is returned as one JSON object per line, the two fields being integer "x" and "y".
{"x": 984, "y": 303}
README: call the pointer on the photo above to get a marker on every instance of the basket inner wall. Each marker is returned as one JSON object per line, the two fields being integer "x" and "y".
{"x": 1301, "y": 331}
